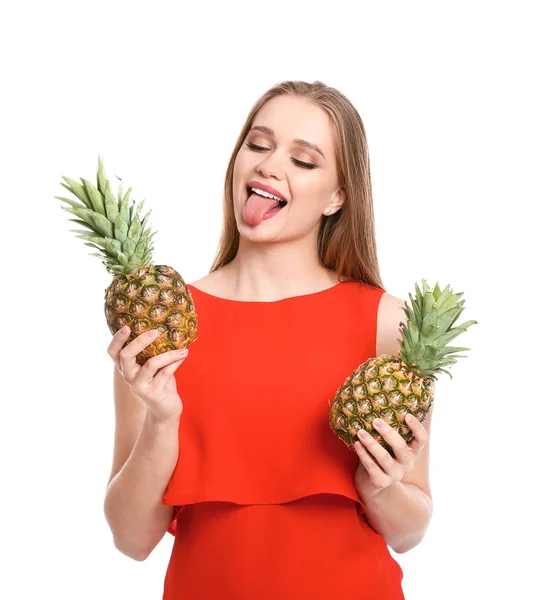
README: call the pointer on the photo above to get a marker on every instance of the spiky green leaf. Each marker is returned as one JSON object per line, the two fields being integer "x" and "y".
{"x": 112, "y": 246}
{"x": 73, "y": 203}
{"x": 430, "y": 352}
{"x": 104, "y": 253}
{"x": 83, "y": 223}
{"x": 110, "y": 204}
{"x": 429, "y": 325}
{"x": 78, "y": 190}
{"x": 129, "y": 245}
{"x": 124, "y": 208}
{"x": 84, "y": 234}
{"x": 464, "y": 326}
{"x": 122, "y": 258}
{"x": 134, "y": 229}
{"x": 121, "y": 228}
{"x": 445, "y": 295}
{"x": 98, "y": 223}
{"x": 102, "y": 180}
{"x": 145, "y": 220}
{"x": 97, "y": 200}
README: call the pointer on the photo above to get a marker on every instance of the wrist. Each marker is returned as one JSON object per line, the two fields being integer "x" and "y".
{"x": 163, "y": 421}
{"x": 365, "y": 490}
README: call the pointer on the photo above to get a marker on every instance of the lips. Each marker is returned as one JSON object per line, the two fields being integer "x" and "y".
{"x": 265, "y": 188}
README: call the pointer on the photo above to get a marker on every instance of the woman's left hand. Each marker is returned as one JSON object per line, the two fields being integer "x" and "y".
{"x": 377, "y": 469}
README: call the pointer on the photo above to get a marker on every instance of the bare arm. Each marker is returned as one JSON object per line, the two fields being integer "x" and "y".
{"x": 145, "y": 455}
{"x": 400, "y": 513}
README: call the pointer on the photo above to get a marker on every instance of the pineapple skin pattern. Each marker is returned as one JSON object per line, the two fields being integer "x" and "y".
{"x": 382, "y": 387}
{"x": 155, "y": 297}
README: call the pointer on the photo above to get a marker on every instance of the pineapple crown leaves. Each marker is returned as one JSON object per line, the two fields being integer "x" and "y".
{"x": 112, "y": 226}
{"x": 429, "y": 329}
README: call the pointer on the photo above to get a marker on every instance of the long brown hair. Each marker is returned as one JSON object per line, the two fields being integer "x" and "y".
{"x": 346, "y": 240}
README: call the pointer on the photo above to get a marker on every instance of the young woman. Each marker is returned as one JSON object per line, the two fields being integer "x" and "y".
{"x": 268, "y": 502}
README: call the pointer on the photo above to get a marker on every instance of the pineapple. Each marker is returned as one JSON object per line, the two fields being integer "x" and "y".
{"x": 141, "y": 295}
{"x": 391, "y": 387}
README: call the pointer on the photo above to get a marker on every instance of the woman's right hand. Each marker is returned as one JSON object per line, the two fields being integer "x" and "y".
{"x": 153, "y": 382}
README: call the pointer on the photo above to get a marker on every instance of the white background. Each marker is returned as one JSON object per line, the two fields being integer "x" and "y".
{"x": 451, "y": 98}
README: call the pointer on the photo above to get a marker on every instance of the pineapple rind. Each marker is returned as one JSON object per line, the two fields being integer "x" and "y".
{"x": 381, "y": 387}
{"x": 155, "y": 297}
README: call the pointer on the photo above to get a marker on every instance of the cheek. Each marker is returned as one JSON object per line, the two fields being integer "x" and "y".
{"x": 242, "y": 170}
{"x": 239, "y": 177}
{"x": 310, "y": 194}
{"x": 244, "y": 159}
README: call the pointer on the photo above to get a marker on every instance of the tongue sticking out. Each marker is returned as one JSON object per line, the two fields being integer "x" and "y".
{"x": 258, "y": 208}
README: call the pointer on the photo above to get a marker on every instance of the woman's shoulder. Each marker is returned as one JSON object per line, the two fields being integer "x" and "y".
{"x": 389, "y": 317}
{"x": 212, "y": 283}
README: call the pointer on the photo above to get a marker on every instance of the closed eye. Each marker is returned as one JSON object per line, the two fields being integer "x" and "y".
{"x": 298, "y": 162}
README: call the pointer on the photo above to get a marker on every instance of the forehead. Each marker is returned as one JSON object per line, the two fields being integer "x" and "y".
{"x": 292, "y": 118}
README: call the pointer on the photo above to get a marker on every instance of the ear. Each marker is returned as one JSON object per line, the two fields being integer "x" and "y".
{"x": 336, "y": 202}
{"x": 338, "y": 199}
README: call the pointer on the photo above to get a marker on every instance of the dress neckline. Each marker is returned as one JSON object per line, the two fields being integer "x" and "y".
{"x": 269, "y": 302}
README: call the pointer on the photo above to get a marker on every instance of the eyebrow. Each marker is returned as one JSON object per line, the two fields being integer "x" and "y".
{"x": 299, "y": 142}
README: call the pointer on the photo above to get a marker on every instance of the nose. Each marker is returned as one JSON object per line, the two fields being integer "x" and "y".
{"x": 269, "y": 168}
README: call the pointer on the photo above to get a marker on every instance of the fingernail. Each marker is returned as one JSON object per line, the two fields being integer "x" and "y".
{"x": 378, "y": 423}
{"x": 362, "y": 434}
{"x": 409, "y": 419}
{"x": 152, "y": 332}
{"x": 183, "y": 351}
{"x": 124, "y": 330}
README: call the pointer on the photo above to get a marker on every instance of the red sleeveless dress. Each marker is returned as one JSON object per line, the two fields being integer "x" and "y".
{"x": 267, "y": 507}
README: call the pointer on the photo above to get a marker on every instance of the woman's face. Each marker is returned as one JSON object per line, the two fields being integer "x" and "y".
{"x": 306, "y": 177}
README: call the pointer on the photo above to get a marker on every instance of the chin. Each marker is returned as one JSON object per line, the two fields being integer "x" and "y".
{"x": 262, "y": 233}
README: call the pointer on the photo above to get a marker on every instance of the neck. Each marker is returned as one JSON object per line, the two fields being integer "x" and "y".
{"x": 267, "y": 272}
